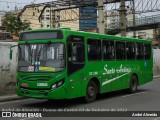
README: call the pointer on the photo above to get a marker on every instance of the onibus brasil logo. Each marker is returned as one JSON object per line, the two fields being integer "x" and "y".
{"x": 21, "y": 114}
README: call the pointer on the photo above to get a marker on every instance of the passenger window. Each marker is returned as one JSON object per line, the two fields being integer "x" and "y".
{"x": 130, "y": 49}
{"x": 120, "y": 50}
{"x": 94, "y": 49}
{"x": 108, "y": 50}
{"x": 147, "y": 51}
{"x": 139, "y": 51}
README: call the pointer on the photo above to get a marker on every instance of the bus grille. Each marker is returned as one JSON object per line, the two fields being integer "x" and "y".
{"x": 36, "y": 78}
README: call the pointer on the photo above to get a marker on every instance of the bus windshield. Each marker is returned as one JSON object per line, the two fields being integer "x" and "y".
{"x": 48, "y": 57}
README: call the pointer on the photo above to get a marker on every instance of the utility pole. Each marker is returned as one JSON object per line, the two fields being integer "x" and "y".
{"x": 123, "y": 17}
{"x": 50, "y": 22}
{"x": 100, "y": 17}
{"x": 159, "y": 35}
{"x": 52, "y": 17}
{"x": 53, "y": 20}
{"x": 134, "y": 18}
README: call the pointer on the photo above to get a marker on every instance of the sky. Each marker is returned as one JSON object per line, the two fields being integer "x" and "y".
{"x": 6, "y": 5}
{"x": 29, "y": 1}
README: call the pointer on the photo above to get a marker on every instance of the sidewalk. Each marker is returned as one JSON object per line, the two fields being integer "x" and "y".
{"x": 10, "y": 98}
{"x": 156, "y": 76}
{"x": 15, "y": 97}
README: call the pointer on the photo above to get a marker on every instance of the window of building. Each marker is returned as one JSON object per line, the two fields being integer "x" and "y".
{"x": 142, "y": 35}
{"x": 47, "y": 10}
{"x": 42, "y": 18}
{"x": 108, "y": 50}
{"x": 94, "y": 49}
{"x": 47, "y": 18}
{"x": 147, "y": 51}
{"x": 47, "y": 25}
{"x": 120, "y": 50}
{"x": 130, "y": 50}
{"x": 139, "y": 51}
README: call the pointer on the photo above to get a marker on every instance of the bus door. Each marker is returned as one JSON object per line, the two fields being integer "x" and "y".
{"x": 148, "y": 72}
{"x": 76, "y": 62}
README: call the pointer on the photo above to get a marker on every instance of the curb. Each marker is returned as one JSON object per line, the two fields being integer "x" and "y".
{"x": 155, "y": 77}
{"x": 10, "y": 98}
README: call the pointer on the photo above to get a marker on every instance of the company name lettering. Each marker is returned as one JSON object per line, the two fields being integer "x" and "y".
{"x": 121, "y": 69}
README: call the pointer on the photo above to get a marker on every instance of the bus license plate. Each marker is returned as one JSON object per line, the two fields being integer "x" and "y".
{"x": 42, "y": 84}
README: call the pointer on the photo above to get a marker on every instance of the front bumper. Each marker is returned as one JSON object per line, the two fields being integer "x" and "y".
{"x": 59, "y": 93}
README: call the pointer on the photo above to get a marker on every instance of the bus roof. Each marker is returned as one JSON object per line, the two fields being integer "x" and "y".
{"x": 95, "y": 35}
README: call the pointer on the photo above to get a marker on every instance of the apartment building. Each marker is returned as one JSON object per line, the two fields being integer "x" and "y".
{"x": 50, "y": 18}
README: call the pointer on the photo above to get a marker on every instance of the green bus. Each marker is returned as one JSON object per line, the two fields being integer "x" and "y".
{"x": 63, "y": 64}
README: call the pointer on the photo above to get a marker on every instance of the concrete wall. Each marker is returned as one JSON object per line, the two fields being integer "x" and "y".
{"x": 156, "y": 61}
{"x": 7, "y": 68}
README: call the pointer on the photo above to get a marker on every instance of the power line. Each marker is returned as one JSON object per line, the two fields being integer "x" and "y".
{"x": 14, "y": 2}
{"x": 10, "y": 6}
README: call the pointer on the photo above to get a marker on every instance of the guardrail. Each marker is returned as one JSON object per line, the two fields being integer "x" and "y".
{"x": 138, "y": 22}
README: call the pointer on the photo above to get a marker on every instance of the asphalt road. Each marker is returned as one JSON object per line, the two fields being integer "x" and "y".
{"x": 146, "y": 99}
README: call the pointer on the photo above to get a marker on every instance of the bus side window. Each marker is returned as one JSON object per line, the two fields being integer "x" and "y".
{"x": 130, "y": 49}
{"x": 147, "y": 51}
{"x": 120, "y": 50}
{"x": 94, "y": 49}
{"x": 139, "y": 51}
{"x": 108, "y": 50}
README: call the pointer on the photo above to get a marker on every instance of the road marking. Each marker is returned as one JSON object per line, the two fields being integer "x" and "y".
{"x": 158, "y": 118}
{"x": 14, "y": 101}
{"x": 26, "y": 118}
{"x": 135, "y": 94}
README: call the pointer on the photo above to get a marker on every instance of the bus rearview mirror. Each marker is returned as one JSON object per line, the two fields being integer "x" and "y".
{"x": 11, "y": 51}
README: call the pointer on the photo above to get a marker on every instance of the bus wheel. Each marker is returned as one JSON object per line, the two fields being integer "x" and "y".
{"x": 91, "y": 92}
{"x": 133, "y": 84}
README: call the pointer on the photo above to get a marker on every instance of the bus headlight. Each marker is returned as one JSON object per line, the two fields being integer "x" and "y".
{"x": 54, "y": 86}
{"x": 57, "y": 84}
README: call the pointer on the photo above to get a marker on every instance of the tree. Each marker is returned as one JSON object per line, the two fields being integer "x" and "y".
{"x": 14, "y": 25}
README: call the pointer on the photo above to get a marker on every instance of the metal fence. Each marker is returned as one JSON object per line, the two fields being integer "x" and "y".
{"x": 138, "y": 22}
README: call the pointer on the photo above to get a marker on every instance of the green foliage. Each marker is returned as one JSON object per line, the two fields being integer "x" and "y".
{"x": 14, "y": 25}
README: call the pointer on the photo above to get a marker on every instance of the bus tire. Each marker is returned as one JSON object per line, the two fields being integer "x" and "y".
{"x": 133, "y": 84}
{"x": 91, "y": 92}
